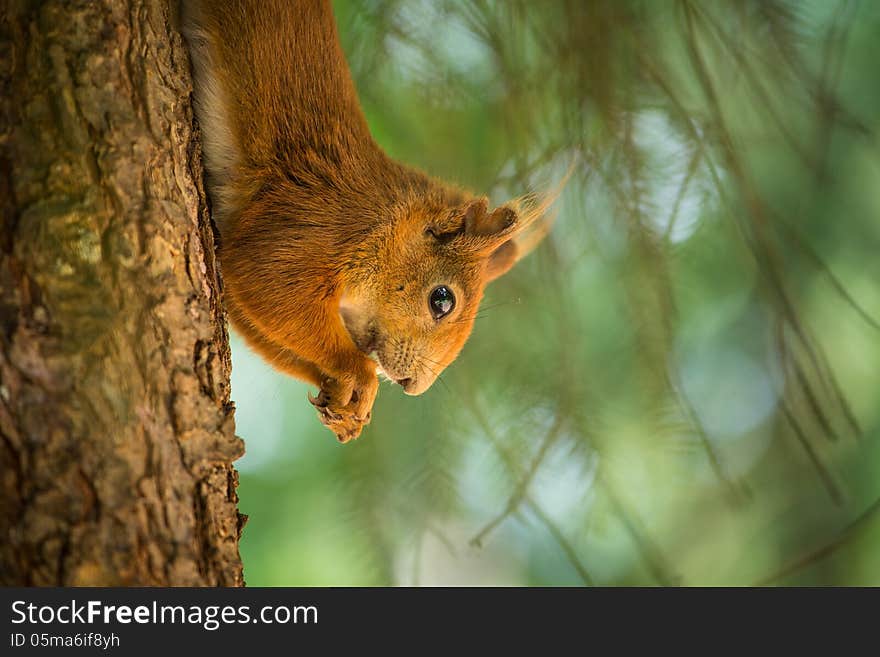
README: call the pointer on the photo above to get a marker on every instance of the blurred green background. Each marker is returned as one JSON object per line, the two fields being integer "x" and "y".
{"x": 681, "y": 385}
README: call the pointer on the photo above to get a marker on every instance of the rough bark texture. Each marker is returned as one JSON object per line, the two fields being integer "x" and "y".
{"x": 117, "y": 431}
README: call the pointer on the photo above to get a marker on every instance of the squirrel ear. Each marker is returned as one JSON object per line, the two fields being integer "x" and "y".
{"x": 474, "y": 220}
{"x": 501, "y": 260}
{"x": 474, "y": 214}
{"x": 449, "y": 226}
{"x": 478, "y": 222}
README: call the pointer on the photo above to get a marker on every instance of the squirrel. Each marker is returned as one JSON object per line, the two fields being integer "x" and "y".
{"x": 338, "y": 262}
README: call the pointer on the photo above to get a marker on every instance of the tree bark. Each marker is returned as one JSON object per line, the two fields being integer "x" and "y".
{"x": 117, "y": 431}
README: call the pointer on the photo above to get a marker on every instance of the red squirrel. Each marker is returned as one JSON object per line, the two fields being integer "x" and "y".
{"x": 338, "y": 261}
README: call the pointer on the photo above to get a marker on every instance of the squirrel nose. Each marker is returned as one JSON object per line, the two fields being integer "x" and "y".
{"x": 404, "y": 382}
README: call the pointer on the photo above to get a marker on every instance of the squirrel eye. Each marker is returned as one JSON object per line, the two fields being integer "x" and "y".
{"x": 441, "y": 301}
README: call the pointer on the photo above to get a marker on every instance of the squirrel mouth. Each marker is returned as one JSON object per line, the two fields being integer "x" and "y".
{"x": 403, "y": 382}
{"x": 369, "y": 344}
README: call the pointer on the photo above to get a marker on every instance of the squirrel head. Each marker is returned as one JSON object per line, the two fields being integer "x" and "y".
{"x": 415, "y": 306}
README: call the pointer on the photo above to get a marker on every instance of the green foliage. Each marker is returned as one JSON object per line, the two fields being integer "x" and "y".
{"x": 682, "y": 384}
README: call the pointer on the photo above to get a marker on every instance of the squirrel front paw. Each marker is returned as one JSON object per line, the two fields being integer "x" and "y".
{"x": 345, "y": 405}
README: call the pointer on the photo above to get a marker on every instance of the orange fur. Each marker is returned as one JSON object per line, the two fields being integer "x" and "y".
{"x": 329, "y": 248}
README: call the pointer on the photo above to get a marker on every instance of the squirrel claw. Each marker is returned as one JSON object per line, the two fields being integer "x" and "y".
{"x": 343, "y": 410}
{"x": 346, "y": 428}
{"x": 328, "y": 416}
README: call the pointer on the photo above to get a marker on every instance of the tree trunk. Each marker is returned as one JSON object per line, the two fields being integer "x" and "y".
{"x": 117, "y": 430}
